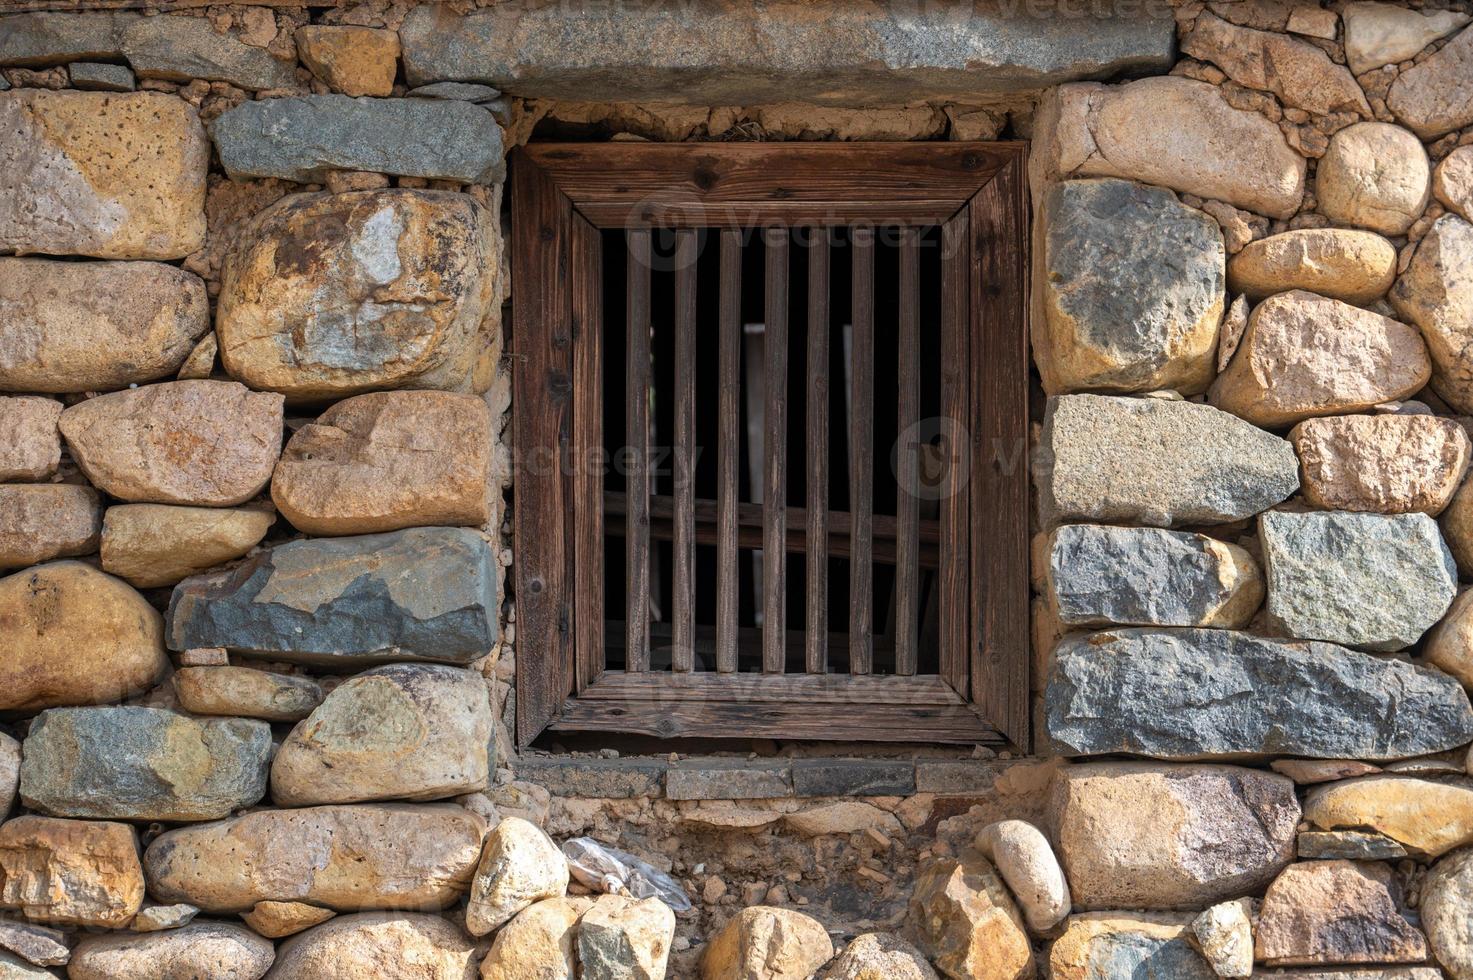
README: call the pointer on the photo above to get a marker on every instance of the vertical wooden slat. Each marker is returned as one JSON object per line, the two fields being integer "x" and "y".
{"x": 816, "y": 625}
{"x": 775, "y": 469}
{"x": 956, "y": 413}
{"x": 728, "y": 449}
{"x": 907, "y": 513}
{"x": 637, "y": 441}
{"x": 999, "y": 332}
{"x": 683, "y": 627}
{"x": 588, "y": 481}
{"x": 861, "y": 451}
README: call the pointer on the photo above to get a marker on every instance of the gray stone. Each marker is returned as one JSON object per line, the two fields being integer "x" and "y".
{"x": 91, "y": 76}
{"x": 303, "y": 139}
{"x": 1432, "y": 98}
{"x": 9, "y": 773}
{"x": 35, "y": 944}
{"x": 1373, "y": 581}
{"x": 15, "y": 968}
{"x": 727, "y": 52}
{"x": 1100, "y": 575}
{"x": 1348, "y": 845}
{"x": 1161, "y": 332}
{"x": 460, "y": 91}
{"x": 1158, "y": 462}
{"x": 218, "y": 950}
{"x": 853, "y": 777}
{"x": 1189, "y": 694}
{"x": 954, "y": 777}
{"x": 416, "y": 594}
{"x": 172, "y": 48}
{"x": 1117, "y": 945}
{"x": 720, "y": 779}
{"x": 142, "y": 764}
{"x": 609, "y": 779}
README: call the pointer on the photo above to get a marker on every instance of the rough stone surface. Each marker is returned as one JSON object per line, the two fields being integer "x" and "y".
{"x": 1305, "y": 355}
{"x": 217, "y": 950}
{"x": 1374, "y": 175}
{"x": 539, "y": 944}
{"x": 831, "y": 53}
{"x": 405, "y": 731}
{"x": 963, "y": 918}
{"x": 351, "y": 60}
{"x": 1379, "y": 34}
{"x": 42, "y": 521}
{"x": 1185, "y": 694}
{"x": 1175, "y": 132}
{"x": 327, "y": 295}
{"x": 95, "y": 326}
{"x": 1336, "y": 912}
{"x": 1348, "y": 845}
{"x": 417, "y": 594}
{"x": 1139, "y": 835}
{"x": 1447, "y": 894}
{"x": 1151, "y": 461}
{"x": 69, "y": 186}
{"x": 1118, "y": 944}
{"x": 302, "y": 139}
{"x": 30, "y": 445}
{"x": 1224, "y": 934}
{"x": 464, "y": 91}
{"x": 765, "y": 943}
{"x": 9, "y": 773}
{"x": 1100, "y": 575}
{"x": 1341, "y": 263}
{"x": 1432, "y": 97}
{"x": 35, "y": 944}
{"x": 1025, "y": 860}
{"x": 342, "y": 857}
{"x": 92, "y": 77}
{"x": 1162, "y": 332}
{"x": 155, "y": 918}
{"x": 623, "y": 939}
{"x": 1427, "y": 817}
{"x": 70, "y": 872}
{"x": 204, "y": 443}
{"x": 388, "y": 460}
{"x": 1452, "y": 181}
{"x": 520, "y": 865}
{"x": 15, "y": 968}
{"x": 392, "y": 947}
{"x": 878, "y": 956}
{"x": 1299, "y": 73}
{"x": 1436, "y": 293}
{"x": 74, "y": 635}
{"x": 151, "y": 545}
{"x": 276, "y": 920}
{"x": 1372, "y": 581}
{"x": 246, "y": 692}
{"x": 1388, "y": 464}
{"x": 1449, "y": 646}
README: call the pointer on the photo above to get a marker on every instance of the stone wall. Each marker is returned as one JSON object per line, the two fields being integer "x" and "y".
{"x": 256, "y": 648}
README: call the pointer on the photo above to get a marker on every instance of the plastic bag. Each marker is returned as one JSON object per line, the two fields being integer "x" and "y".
{"x": 605, "y": 869}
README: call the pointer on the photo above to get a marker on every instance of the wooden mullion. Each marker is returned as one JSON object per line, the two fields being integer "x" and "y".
{"x": 775, "y": 464}
{"x": 956, "y": 415}
{"x": 816, "y": 622}
{"x": 637, "y": 439}
{"x": 907, "y": 503}
{"x": 588, "y": 534}
{"x": 729, "y": 326}
{"x": 684, "y": 544}
{"x": 861, "y": 451}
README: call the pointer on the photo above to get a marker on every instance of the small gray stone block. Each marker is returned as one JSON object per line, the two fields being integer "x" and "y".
{"x": 957, "y": 777}
{"x": 1348, "y": 845}
{"x": 95, "y": 77}
{"x": 459, "y": 91}
{"x": 853, "y": 777}
{"x": 720, "y": 779}
{"x": 607, "y": 779}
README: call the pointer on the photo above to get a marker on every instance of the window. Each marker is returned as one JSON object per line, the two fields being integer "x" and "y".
{"x": 703, "y": 552}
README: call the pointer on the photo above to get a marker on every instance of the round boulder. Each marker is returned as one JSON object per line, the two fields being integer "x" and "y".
{"x": 879, "y": 956}
{"x": 1026, "y": 862}
{"x": 1447, "y": 912}
{"x": 1354, "y": 266}
{"x": 217, "y": 950}
{"x": 380, "y": 945}
{"x": 1374, "y": 175}
{"x": 772, "y": 943}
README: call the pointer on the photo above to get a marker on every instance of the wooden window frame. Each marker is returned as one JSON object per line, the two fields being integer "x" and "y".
{"x": 563, "y": 195}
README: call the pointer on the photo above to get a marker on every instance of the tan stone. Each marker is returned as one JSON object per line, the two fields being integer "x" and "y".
{"x": 388, "y": 460}
{"x": 75, "y": 636}
{"x": 1374, "y": 175}
{"x": 95, "y": 326}
{"x": 962, "y": 917}
{"x": 1299, "y": 73}
{"x": 842, "y": 817}
{"x": 1026, "y": 862}
{"x": 538, "y": 944}
{"x": 1335, "y": 912}
{"x": 277, "y": 920}
{"x": 1304, "y": 356}
{"x": 1379, "y": 34}
{"x": 765, "y": 943}
{"x": 388, "y": 947}
{"x": 9, "y": 773}
{"x": 1119, "y": 944}
{"x": 396, "y": 296}
{"x": 203, "y": 443}
{"x": 246, "y": 692}
{"x": 1427, "y": 817}
{"x": 1452, "y": 181}
{"x": 623, "y": 939}
{"x": 343, "y": 857}
{"x": 42, "y": 521}
{"x": 1449, "y": 646}
{"x": 1355, "y": 266}
{"x": 879, "y": 956}
{"x": 351, "y": 60}
{"x": 1172, "y": 131}
{"x": 1447, "y": 896}
{"x": 200, "y": 363}
{"x": 1224, "y": 935}
{"x": 1386, "y": 464}
{"x": 1306, "y": 772}
{"x": 218, "y": 950}
{"x": 1431, "y": 98}
{"x": 30, "y": 444}
{"x": 1436, "y": 293}
{"x": 153, "y": 917}
{"x": 519, "y": 865}
{"x": 70, "y": 186}
{"x": 70, "y": 872}
{"x": 152, "y": 545}
{"x": 405, "y": 731}
{"x": 1145, "y": 835}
